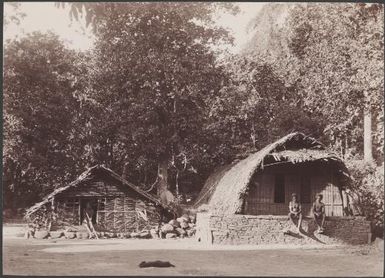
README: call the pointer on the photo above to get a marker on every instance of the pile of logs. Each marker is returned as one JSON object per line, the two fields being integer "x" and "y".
{"x": 183, "y": 226}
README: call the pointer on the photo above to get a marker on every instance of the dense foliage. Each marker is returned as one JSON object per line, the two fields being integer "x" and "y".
{"x": 156, "y": 97}
{"x": 40, "y": 108}
{"x": 332, "y": 55}
{"x": 154, "y": 72}
{"x": 368, "y": 183}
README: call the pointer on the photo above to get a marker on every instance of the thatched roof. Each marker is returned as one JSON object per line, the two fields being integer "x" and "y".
{"x": 89, "y": 175}
{"x": 224, "y": 190}
{"x": 210, "y": 185}
{"x": 303, "y": 155}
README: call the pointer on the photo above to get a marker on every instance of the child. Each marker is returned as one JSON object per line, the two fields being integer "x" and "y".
{"x": 319, "y": 212}
{"x": 295, "y": 210}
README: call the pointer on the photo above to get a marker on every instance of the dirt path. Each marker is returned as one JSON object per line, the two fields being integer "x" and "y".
{"x": 111, "y": 257}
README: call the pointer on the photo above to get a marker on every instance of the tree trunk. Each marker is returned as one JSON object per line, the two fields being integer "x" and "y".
{"x": 177, "y": 183}
{"x": 368, "y": 156}
{"x": 253, "y": 136}
{"x": 163, "y": 177}
{"x": 125, "y": 170}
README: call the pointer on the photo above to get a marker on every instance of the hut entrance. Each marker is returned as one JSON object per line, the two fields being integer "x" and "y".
{"x": 88, "y": 206}
{"x": 270, "y": 189}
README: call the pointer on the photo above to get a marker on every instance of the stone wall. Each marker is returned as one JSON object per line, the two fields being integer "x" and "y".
{"x": 253, "y": 229}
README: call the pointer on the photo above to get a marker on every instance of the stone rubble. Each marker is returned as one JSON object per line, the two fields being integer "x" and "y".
{"x": 181, "y": 227}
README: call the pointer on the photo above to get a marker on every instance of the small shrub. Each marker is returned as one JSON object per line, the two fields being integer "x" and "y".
{"x": 368, "y": 183}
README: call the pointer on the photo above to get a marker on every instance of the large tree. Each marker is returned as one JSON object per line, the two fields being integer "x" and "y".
{"x": 40, "y": 81}
{"x": 154, "y": 71}
{"x": 339, "y": 48}
{"x": 332, "y": 56}
{"x": 256, "y": 107}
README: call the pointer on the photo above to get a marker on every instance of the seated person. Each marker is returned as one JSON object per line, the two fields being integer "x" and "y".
{"x": 295, "y": 210}
{"x": 319, "y": 212}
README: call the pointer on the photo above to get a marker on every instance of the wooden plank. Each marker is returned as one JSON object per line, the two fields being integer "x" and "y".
{"x": 91, "y": 226}
{"x": 261, "y": 190}
{"x": 114, "y": 216}
{"x": 331, "y": 189}
{"x": 80, "y": 212}
{"x": 270, "y": 184}
{"x": 105, "y": 216}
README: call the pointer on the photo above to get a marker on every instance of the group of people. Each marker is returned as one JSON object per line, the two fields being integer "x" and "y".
{"x": 318, "y": 211}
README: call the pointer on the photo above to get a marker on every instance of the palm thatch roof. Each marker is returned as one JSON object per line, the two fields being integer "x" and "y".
{"x": 303, "y": 155}
{"x": 210, "y": 185}
{"x": 87, "y": 176}
{"x": 223, "y": 192}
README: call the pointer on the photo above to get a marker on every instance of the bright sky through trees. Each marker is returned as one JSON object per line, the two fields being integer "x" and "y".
{"x": 40, "y": 16}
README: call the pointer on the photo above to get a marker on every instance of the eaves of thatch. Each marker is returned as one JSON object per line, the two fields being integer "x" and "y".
{"x": 303, "y": 155}
{"x": 86, "y": 176}
{"x": 223, "y": 192}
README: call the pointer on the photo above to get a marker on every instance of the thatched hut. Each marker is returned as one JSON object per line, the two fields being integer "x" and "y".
{"x": 114, "y": 204}
{"x": 262, "y": 183}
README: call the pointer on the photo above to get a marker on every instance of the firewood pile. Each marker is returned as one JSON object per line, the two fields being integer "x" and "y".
{"x": 181, "y": 227}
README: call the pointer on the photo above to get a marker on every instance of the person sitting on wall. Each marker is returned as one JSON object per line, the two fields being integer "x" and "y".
{"x": 319, "y": 212}
{"x": 295, "y": 210}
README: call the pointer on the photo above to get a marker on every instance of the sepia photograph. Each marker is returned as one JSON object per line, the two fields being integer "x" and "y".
{"x": 193, "y": 139}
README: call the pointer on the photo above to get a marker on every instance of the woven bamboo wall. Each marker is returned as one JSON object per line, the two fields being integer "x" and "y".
{"x": 119, "y": 215}
{"x": 116, "y": 207}
{"x": 68, "y": 212}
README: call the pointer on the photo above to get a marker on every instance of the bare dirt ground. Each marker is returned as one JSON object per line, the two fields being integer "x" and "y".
{"x": 121, "y": 257}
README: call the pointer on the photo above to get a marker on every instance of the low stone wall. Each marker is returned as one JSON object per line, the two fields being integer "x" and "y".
{"x": 255, "y": 229}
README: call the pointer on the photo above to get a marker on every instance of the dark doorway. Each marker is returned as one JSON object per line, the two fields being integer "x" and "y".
{"x": 305, "y": 190}
{"x": 88, "y": 206}
{"x": 279, "y": 189}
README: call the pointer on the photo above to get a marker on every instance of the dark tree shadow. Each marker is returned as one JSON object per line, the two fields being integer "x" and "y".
{"x": 293, "y": 234}
{"x": 290, "y": 233}
{"x": 310, "y": 234}
{"x": 302, "y": 233}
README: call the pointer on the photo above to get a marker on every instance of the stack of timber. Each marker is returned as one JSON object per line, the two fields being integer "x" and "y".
{"x": 181, "y": 227}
